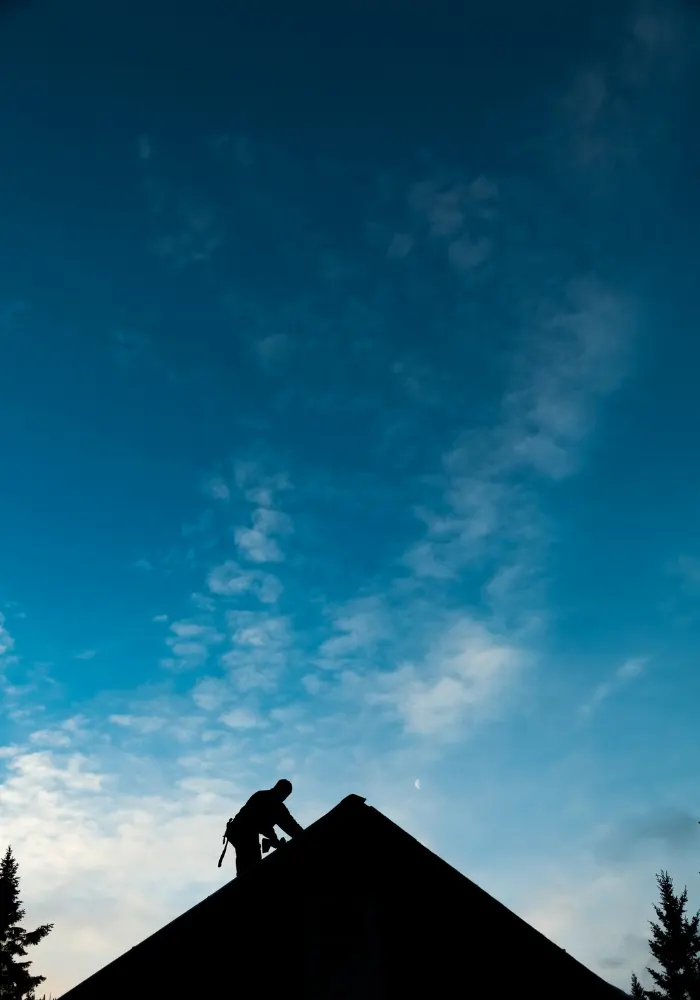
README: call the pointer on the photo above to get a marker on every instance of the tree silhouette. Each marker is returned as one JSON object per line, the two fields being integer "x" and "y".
{"x": 15, "y": 981}
{"x": 675, "y": 944}
{"x": 637, "y": 991}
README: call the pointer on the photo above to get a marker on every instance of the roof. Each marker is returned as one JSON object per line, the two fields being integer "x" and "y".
{"x": 353, "y": 900}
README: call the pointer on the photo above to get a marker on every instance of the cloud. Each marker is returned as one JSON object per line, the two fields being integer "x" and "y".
{"x": 143, "y": 724}
{"x": 467, "y": 253}
{"x": 465, "y": 669}
{"x": 272, "y": 349}
{"x": 258, "y": 484}
{"x": 483, "y": 189}
{"x": 580, "y": 357}
{"x": 457, "y": 215}
{"x": 577, "y": 355}
{"x": 7, "y": 642}
{"x": 485, "y": 525}
{"x": 193, "y": 630}
{"x": 91, "y": 844}
{"x": 211, "y": 693}
{"x": 217, "y": 489}
{"x": 203, "y": 602}
{"x": 230, "y": 580}
{"x": 430, "y": 560}
{"x": 50, "y": 738}
{"x": 442, "y": 207}
{"x": 669, "y": 829}
{"x": 190, "y": 645}
{"x": 598, "y": 912}
{"x": 83, "y": 849}
{"x": 358, "y": 626}
{"x": 241, "y": 718}
{"x": 195, "y": 232}
{"x": 609, "y": 115}
{"x": 400, "y": 246}
{"x": 98, "y": 837}
{"x": 256, "y": 546}
{"x": 632, "y": 667}
{"x": 626, "y": 672}
{"x": 260, "y": 649}
{"x": 86, "y": 654}
{"x": 145, "y": 565}
{"x": 589, "y": 919}
{"x": 259, "y": 541}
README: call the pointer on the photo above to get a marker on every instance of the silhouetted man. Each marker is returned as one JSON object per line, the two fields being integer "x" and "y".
{"x": 263, "y": 811}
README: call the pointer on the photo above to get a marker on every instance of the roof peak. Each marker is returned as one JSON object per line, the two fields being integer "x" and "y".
{"x": 352, "y": 800}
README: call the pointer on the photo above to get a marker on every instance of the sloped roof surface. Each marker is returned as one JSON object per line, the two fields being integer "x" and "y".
{"x": 354, "y": 883}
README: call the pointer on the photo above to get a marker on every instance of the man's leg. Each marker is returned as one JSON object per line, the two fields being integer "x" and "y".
{"x": 247, "y": 851}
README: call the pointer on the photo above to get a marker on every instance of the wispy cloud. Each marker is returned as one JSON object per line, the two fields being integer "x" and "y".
{"x": 7, "y": 642}
{"x": 623, "y": 675}
{"x": 464, "y": 671}
{"x": 259, "y": 543}
{"x": 145, "y": 565}
{"x": 259, "y": 484}
{"x": 358, "y": 627}
{"x": 143, "y": 724}
{"x": 191, "y": 644}
{"x": 229, "y": 579}
{"x": 217, "y": 489}
{"x": 211, "y": 693}
{"x": 260, "y": 648}
{"x": 242, "y": 718}
{"x": 605, "y": 119}
{"x": 194, "y": 232}
{"x": 54, "y": 738}
{"x": 579, "y": 356}
{"x": 456, "y": 214}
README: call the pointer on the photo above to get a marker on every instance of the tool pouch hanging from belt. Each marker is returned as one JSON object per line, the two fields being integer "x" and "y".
{"x": 227, "y": 839}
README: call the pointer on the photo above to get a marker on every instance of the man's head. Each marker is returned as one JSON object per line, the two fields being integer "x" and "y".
{"x": 283, "y": 789}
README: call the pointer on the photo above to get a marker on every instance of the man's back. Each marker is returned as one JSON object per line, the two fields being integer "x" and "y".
{"x": 259, "y": 811}
{"x": 262, "y": 812}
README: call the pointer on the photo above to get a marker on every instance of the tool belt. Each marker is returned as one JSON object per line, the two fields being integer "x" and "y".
{"x": 227, "y": 839}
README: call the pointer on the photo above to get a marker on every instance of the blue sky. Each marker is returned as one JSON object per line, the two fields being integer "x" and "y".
{"x": 350, "y": 433}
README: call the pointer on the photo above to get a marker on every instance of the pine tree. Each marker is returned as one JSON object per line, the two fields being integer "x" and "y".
{"x": 15, "y": 981}
{"x": 675, "y": 944}
{"x": 637, "y": 991}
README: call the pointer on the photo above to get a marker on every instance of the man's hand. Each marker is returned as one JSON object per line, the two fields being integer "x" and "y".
{"x": 269, "y": 842}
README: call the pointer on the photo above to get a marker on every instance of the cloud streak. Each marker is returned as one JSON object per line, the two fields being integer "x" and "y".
{"x": 465, "y": 670}
{"x": 7, "y": 643}
{"x": 624, "y": 674}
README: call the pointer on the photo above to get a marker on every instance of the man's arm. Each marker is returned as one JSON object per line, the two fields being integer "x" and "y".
{"x": 268, "y": 830}
{"x": 285, "y": 821}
